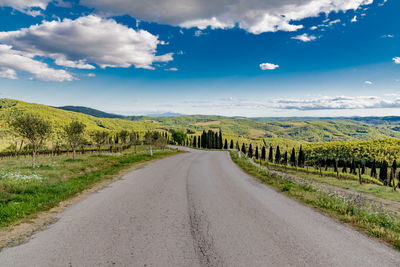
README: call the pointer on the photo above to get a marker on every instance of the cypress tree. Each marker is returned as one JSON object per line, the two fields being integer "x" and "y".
{"x": 244, "y": 148}
{"x": 263, "y": 153}
{"x": 270, "y": 155}
{"x": 195, "y": 142}
{"x": 250, "y": 155}
{"x": 393, "y": 173}
{"x": 278, "y": 155}
{"x": 256, "y": 153}
{"x": 199, "y": 141}
{"x": 302, "y": 158}
{"x": 285, "y": 158}
{"x": 353, "y": 167}
{"x": 383, "y": 172}
{"x": 216, "y": 143}
{"x": 293, "y": 157}
{"x": 220, "y": 141}
{"x": 344, "y": 170}
{"x": 204, "y": 139}
{"x": 373, "y": 169}
{"x": 210, "y": 139}
{"x": 237, "y": 145}
{"x": 226, "y": 144}
{"x": 231, "y": 145}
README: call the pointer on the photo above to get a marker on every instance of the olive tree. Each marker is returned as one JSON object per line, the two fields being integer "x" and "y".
{"x": 99, "y": 138}
{"x": 123, "y": 136}
{"x": 134, "y": 139}
{"x": 74, "y": 132}
{"x": 159, "y": 140}
{"x": 34, "y": 129}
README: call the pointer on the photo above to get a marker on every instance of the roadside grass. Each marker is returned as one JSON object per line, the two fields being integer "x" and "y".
{"x": 356, "y": 211}
{"x": 326, "y": 173}
{"x": 374, "y": 188}
{"x": 25, "y": 191}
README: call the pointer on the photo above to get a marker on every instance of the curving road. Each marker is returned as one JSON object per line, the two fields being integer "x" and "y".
{"x": 195, "y": 209}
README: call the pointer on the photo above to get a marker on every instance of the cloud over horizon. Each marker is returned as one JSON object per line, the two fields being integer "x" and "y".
{"x": 338, "y": 102}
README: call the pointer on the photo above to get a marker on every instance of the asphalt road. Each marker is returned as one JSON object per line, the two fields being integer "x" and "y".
{"x": 195, "y": 209}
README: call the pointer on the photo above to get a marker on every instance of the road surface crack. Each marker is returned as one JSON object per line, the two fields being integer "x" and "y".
{"x": 200, "y": 230}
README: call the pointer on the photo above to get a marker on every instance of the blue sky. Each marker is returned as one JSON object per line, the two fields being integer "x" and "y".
{"x": 247, "y": 58}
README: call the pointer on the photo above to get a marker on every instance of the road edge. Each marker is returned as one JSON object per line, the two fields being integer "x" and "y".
{"x": 21, "y": 232}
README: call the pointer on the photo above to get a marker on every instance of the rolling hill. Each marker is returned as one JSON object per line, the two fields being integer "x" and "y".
{"x": 299, "y": 129}
{"x": 284, "y": 131}
{"x": 92, "y": 112}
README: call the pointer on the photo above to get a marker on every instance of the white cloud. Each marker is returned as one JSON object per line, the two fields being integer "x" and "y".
{"x": 334, "y": 22}
{"x": 305, "y": 37}
{"x": 202, "y": 24}
{"x": 255, "y": 16}
{"x": 354, "y": 19}
{"x": 268, "y": 66}
{"x": 388, "y": 36}
{"x": 8, "y": 73}
{"x": 26, "y": 6}
{"x": 369, "y": 83}
{"x": 396, "y": 60}
{"x": 12, "y": 60}
{"x": 172, "y": 69}
{"x": 338, "y": 102}
{"x": 198, "y": 33}
{"x": 86, "y": 41}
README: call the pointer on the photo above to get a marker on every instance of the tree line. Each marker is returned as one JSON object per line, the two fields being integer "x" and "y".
{"x": 382, "y": 171}
{"x": 35, "y": 132}
{"x": 207, "y": 140}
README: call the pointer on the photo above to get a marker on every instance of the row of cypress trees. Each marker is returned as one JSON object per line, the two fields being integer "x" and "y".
{"x": 214, "y": 140}
{"x": 300, "y": 159}
{"x": 208, "y": 140}
{"x": 275, "y": 157}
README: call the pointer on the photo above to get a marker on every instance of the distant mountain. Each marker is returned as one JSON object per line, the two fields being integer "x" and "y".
{"x": 379, "y": 120}
{"x": 166, "y": 114}
{"x": 92, "y": 112}
{"x": 101, "y": 114}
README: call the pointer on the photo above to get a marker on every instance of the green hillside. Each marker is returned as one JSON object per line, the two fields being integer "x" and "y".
{"x": 282, "y": 131}
{"x": 302, "y": 130}
{"x": 58, "y": 118}
{"x": 297, "y": 129}
{"x": 92, "y": 112}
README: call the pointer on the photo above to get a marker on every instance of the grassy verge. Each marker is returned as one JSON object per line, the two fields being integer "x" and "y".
{"x": 25, "y": 191}
{"x": 374, "y": 189}
{"x": 329, "y": 173}
{"x": 363, "y": 215}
